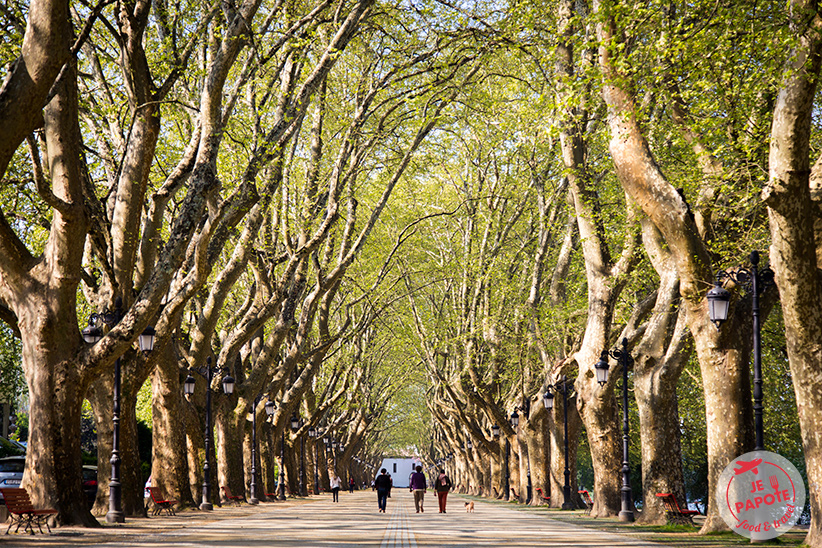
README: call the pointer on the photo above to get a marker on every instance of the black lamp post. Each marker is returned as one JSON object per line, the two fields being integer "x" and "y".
{"x": 295, "y": 426}
{"x": 756, "y": 280}
{"x": 270, "y": 406}
{"x": 514, "y": 424}
{"x": 91, "y": 335}
{"x": 313, "y": 434}
{"x": 625, "y": 360}
{"x": 495, "y": 434}
{"x": 281, "y": 481}
{"x": 188, "y": 389}
{"x": 548, "y": 401}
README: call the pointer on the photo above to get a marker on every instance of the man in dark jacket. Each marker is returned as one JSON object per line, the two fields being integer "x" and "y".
{"x": 418, "y": 486}
{"x": 383, "y": 486}
{"x": 442, "y": 485}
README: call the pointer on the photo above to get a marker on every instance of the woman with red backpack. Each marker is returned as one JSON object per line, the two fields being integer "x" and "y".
{"x": 442, "y": 485}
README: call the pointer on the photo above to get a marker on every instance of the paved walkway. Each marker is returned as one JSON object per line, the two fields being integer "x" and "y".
{"x": 319, "y": 523}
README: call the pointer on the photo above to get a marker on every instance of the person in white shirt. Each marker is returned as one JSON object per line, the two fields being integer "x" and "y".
{"x": 335, "y": 487}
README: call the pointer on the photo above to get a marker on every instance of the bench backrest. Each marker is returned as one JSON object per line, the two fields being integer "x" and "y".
{"x": 156, "y": 495}
{"x": 227, "y": 491}
{"x": 17, "y": 500}
{"x": 669, "y": 500}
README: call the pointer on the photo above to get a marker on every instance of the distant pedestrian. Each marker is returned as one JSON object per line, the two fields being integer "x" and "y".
{"x": 442, "y": 485}
{"x": 418, "y": 484}
{"x": 335, "y": 487}
{"x": 351, "y": 485}
{"x": 383, "y": 485}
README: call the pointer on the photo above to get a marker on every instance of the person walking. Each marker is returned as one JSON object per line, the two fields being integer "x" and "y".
{"x": 442, "y": 485}
{"x": 335, "y": 487}
{"x": 418, "y": 485}
{"x": 351, "y": 484}
{"x": 383, "y": 485}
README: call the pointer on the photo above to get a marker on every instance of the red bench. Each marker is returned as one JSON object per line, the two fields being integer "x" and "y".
{"x": 544, "y": 498}
{"x": 236, "y": 499}
{"x": 23, "y": 512}
{"x": 586, "y": 498}
{"x": 160, "y": 502}
{"x": 673, "y": 512}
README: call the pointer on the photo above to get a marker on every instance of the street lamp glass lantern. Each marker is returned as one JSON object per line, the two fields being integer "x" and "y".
{"x": 514, "y": 419}
{"x": 601, "y": 368}
{"x": 469, "y": 444}
{"x": 548, "y": 400}
{"x": 495, "y": 430}
{"x": 146, "y": 339}
{"x": 92, "y": 333}
{"x": 188, "y": 385}
{"x": 228, "y": 385}
{"x": 270, "y": 406}
{"x": 295, "y": 423}
{"x": 719, "y": 300}
{"x": 312, "y": 433}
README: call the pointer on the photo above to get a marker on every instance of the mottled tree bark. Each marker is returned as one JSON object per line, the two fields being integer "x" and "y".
{"x": 660, "y": 357}
{"x": 557, "y": 436}
{"x": 722, "y": 354}
{"x": 606, "y": 279}
{"x": 42, "y": 294}
{"x": 795, "y": 253}
{"x": 170, "y": 422}
{"x": 229, "y": 429}
{"x": 538, "y": 446}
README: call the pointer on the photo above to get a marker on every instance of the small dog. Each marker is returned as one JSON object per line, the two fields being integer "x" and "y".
{"x": 469, "y": 506}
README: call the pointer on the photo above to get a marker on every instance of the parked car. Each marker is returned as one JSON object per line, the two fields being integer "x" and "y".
{"x": 11, "y": 472}
{"x": 11, "y": 448}
{"x": 90, "y": 483}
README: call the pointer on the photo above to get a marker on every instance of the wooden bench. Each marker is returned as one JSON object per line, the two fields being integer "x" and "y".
{"x": 514, "y": 493}
{"x": 673, "y": 512}
{"x": 586, "y": 498}
{"x": 22, "y": 512}
{"x": 541, "y": 496}
{"x": 160, "y": 502}
{"x": 236, "y": 499}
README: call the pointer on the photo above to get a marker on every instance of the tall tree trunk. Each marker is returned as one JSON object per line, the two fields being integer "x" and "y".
{"x": 796, "y": 254}
{"x": 229, "y": 428}
{"x": 170, "y": 421}
{"x": 99, "y": 396}
{"x": 557, "y": 432}
{"x": 53, "y": 461}
{"x": 659, "y": 442}
{"x": 537, "y": 439}
{"x": 606, "y": 279}
{"x": 42, "y": 293}
{"x": 722, "y": 354}
{"x": 661, "y": 355}
{"x": 268, "y": 476}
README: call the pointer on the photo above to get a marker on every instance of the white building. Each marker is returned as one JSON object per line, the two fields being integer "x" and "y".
{"x": 400, "y": 469}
